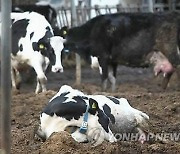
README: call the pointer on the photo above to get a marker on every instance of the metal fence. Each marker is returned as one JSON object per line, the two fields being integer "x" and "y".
{"x": 85, "y": 13}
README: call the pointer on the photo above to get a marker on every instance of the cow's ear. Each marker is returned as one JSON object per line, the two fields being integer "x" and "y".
{"x": 35, "y": 46}
{"x": 93, "y": 104}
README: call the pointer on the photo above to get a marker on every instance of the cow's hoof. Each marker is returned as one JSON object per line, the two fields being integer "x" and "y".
{"x": 95, "y": 143}
{"x": 18, "y": 86}
{"x": 15, "y": 91}
{"x": 79, "y": 137}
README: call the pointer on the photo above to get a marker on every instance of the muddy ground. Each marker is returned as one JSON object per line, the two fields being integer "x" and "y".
{"x": 137, "y": 85}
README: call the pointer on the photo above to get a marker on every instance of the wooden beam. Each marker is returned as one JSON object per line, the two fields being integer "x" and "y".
{"x": 78, "y": 58}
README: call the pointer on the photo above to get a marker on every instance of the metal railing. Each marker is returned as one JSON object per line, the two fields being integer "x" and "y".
{"x": 85, "y": 13}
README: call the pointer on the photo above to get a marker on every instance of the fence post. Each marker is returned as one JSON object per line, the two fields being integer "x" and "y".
{"x": 150, "y": 5}
{"x": 88, "y": 4}
{"x": 5, "y": 120}
{"x": 173, "y": 5}
{"x": 78, "y": 58}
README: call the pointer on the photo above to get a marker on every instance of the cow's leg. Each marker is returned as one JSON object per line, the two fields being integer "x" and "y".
{"x": 166, "y": 80}
{"x": 98, "y": 138}
{"x": 112, "y": 76}
{"x": 16, "y": 78}
{"x": 98, "y": 135}
{"x": 110, "y": 136}
{"x": 41, "y": 79}
{"x": 104, "y": 83}
{"x": 104, "y": 76}
{"x": 50, "y": 124}
{"x": 178, "y": 77}
{"x": 38, "y": 87}
{"x": 95, "y": 134}
{"x": 41, "y": 84}
{"x": 79, "y": 137}
{"x": 13, "y": 77}
{"x": 44, "y": 80}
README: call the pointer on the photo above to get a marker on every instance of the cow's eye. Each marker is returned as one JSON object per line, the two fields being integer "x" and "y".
{"x": 41, "y": 46}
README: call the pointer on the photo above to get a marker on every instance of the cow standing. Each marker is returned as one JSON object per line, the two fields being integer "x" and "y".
{"x": 45, "y": 10}
{"x": 128, "y": 39}
{"x": 34, "y": 44}
{"x": 100, "y": 116}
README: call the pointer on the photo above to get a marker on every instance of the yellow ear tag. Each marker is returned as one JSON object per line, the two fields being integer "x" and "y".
{"x": 93, "y": 106}
{"x": 41, "y": 46}
{"x": 64, "y": 32}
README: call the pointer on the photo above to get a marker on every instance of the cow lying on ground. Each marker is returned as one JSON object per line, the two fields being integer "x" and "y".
{"x": 129, "y": 39}
{"x": 34, "y": 44}
{"x": 94, "y": 118}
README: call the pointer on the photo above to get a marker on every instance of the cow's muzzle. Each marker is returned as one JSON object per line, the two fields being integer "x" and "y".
{"x": 57, "y": 69}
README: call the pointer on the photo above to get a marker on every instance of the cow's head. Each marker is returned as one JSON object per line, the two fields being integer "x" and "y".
{"x": 51, "y": 48}
{"x": 57, "y": 46}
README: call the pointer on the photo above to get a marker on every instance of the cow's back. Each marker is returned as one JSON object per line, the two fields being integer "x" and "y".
{"x": 128, "y": 37}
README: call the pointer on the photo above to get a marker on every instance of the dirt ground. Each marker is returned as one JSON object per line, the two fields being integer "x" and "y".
{"x": 137, "y": 85}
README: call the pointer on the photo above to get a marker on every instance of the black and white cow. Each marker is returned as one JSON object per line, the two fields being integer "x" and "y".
{"x": 34, "y": 44}
{"x": 104, "y": 115}
{"x": 128, "y": 39}
{"x": 46, "y": 10}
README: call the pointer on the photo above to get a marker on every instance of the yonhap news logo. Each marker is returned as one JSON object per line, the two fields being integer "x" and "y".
{"x": 162, "y": 136}
{"x": 99, "y": 134}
